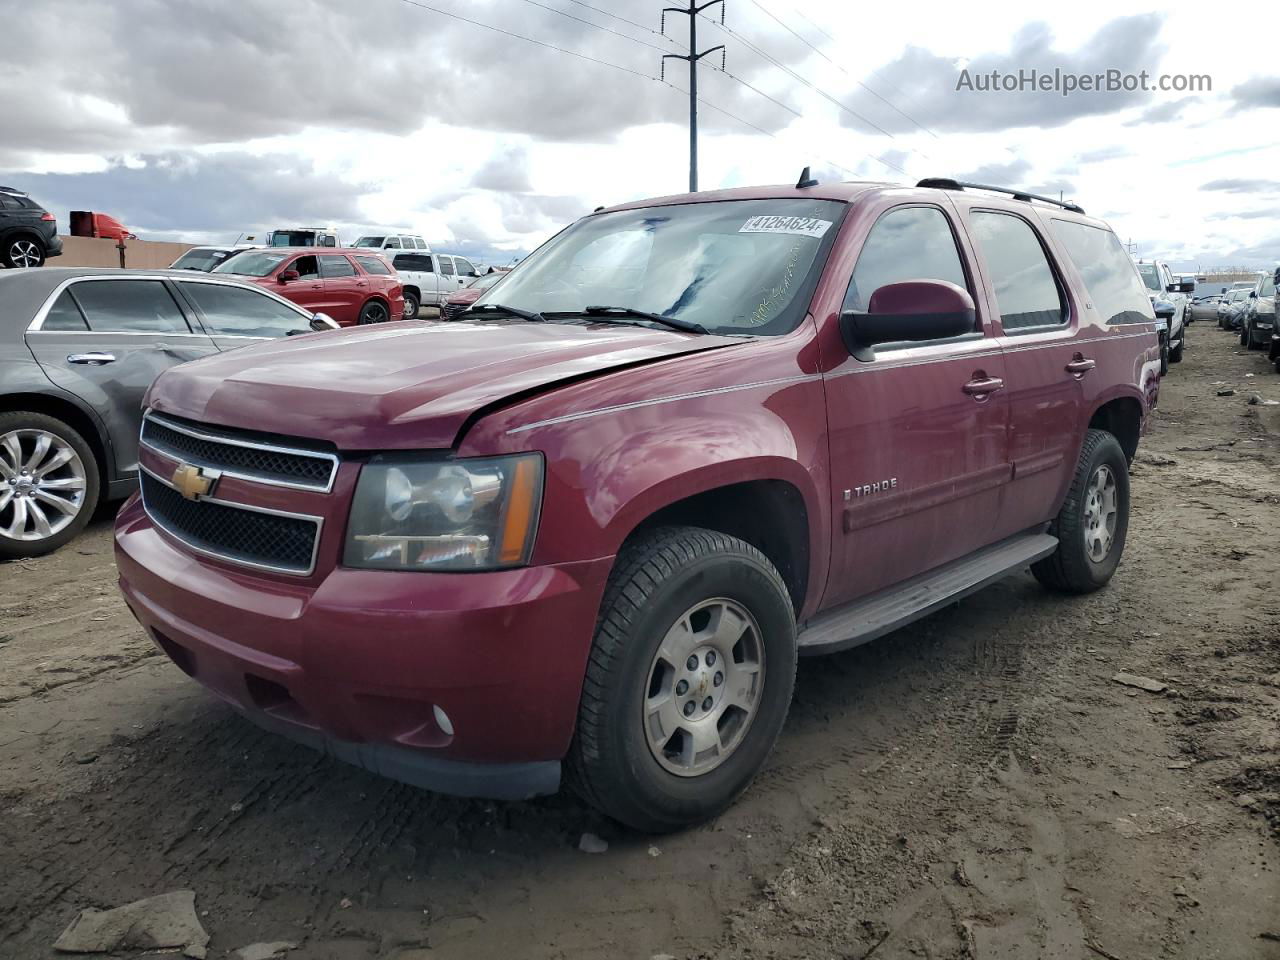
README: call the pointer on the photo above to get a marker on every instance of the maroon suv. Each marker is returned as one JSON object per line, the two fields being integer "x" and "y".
{"x": 588, "y": 528}
{"x": 351, "y": 286}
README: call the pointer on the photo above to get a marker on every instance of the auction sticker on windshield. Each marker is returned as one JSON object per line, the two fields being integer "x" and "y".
{"x": 794, "y": 226}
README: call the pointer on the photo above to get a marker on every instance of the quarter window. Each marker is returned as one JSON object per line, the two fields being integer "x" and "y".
{"x": 908, "y": 243}
{"x": 375, "y": 265}
{"x": 64, "y": 315}
{"x": 1027, "y": 293}
{"x": 1108, "y": 273}
{"x": 129, "y": 306}
{"x": 234, "y": 312}
{"x": 331, "y": 266}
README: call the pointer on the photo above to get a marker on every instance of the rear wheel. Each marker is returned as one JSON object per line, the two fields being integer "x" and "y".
{"x": 48, "y": 484}
{"x": 1093, "y": 521}
{"x": 23, "y": 252}
{"x": 688, "y": 682}
{"x": 375, "y": 311}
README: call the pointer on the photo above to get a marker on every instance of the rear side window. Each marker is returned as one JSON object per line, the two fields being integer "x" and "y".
{"x": 374, "y": 265}
{"x": 446, "y": 266}
{"x": 64, "y": 315}
{"x": 332, "y": 266}
{"x": 908, "y": 243}
{"x": 129, "y": 306}
{"x": 1108, "y": 273}
{"x": 7, "y": 202}
{"x": 1027, "y": 293}
{"x": 235, "y": 312}
{"x": 413, "y": 261}
{"x": 393, "y": 243}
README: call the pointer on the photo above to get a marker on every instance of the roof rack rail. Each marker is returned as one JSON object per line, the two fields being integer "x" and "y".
{"x": 945, "y": 183}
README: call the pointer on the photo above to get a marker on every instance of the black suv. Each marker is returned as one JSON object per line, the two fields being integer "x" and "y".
{"x": 28, "y": 232}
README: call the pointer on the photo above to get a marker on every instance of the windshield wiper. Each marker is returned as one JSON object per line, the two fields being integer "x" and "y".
{"x": 531, "y": 315}
{"x": 675, "y": 323}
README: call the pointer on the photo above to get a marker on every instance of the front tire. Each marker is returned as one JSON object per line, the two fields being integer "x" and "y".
{"x": 1164, "y": 357}
{"x": 1175, "y": 355}
{"x": 375, "y": 311}
{"x": 48, "y": 484}
{"x": 22, "y": 252}
{"x": 1093, "y": 521}
{"x": 411, "y": 306}
{"x": 688, "y": 682}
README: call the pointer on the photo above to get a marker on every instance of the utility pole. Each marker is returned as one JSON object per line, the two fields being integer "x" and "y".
{"x": 693, "y": 56}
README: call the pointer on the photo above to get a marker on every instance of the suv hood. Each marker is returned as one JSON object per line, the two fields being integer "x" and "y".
{"x": 402, "y": 385}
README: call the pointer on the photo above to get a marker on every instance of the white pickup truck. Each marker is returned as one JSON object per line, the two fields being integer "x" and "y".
{"x": 1161, "y": 284}
{"x": 429, "y": 278}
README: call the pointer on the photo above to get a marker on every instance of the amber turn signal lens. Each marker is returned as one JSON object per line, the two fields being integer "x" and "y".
{"x": 522, "y": 512}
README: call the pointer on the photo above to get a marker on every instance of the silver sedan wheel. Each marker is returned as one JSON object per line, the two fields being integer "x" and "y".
{"x": 24, "y": 253}
{"x": 42, "y": 484}
{"x": 704, "y": 687}
{"x": 1100, "y": 514}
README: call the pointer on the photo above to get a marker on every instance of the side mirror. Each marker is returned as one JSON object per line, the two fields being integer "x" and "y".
{"x": 1185, "y": 286}
{"x": 1164, "y": 310}
{"x": 1253, "y": 294}
{"x": 322, "y": 321}
{"x": 913, "y": 310}
{"x": 287, "y": 276}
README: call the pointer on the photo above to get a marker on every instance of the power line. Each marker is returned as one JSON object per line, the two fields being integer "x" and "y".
{"x": 625, "y": 20}
{"x": 884, "y": 100}
{"x": 518, "y": 36}
{"x": 616, "y": 33}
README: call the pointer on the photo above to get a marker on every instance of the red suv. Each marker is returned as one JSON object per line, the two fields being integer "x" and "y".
{"x": 589, "y": 527}
{"x": 351, "y": 286}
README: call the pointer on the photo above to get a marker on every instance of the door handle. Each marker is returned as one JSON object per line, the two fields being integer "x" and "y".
{"x": 93, "y": 359}
{"x": 982, "y": 386}
{"x": 1080, "y": 365}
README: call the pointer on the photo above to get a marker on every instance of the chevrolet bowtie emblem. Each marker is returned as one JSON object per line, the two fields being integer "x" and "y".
{"x": 191, "y": 481}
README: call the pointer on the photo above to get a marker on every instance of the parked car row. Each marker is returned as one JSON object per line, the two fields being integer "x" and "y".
{"x": 79, "y": 347}
{"x": 1249, "y": 309}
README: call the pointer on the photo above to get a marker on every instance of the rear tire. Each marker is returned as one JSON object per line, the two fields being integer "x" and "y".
{"x": 1093, "y": 521}
{"x": 661, "y": 743}
{"x": 375, "y": 311}
{"x": 48, "y": 504}
{"x": 22, "y": 252}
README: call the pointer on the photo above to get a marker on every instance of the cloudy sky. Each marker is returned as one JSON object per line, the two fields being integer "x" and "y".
{"x": 201, "y": 120}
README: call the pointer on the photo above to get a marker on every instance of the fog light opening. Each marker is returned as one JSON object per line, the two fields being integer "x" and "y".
{"x": 442, "y": 720}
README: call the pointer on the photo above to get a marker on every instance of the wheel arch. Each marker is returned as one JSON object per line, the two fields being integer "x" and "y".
{"x": 1122, "y": 417}
{"x": 769, "y": 514}
{"x": 76, "y": 417}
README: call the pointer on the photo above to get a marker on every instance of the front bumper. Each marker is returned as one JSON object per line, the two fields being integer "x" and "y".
{"x": 357, "y": 665}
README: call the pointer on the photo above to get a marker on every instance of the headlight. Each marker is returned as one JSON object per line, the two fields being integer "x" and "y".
{"x": 478, "y": 514}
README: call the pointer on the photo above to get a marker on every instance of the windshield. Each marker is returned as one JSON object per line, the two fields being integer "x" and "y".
{"x": 736, "y": 266}
{"x": 251, "y": 264}
{"x": 370, "y": 241}
{"x": 199, "y": 259}
{"x": 1149, "y": 275}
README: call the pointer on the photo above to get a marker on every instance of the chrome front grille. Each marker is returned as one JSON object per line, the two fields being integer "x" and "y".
{"x": 240, "y": 453}
{"x": 252, "y": 536}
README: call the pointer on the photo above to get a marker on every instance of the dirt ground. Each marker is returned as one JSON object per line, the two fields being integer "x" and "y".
{"x": 975, "y": 786}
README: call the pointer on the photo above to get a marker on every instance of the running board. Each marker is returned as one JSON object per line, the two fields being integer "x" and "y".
{"x": 862, "y": 621}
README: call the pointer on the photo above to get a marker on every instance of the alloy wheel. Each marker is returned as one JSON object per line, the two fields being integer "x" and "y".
{"x": 1100, "y": 513}
{"x": 42, "y": 484}
{"x": 24, "y": 253}
{"x": 704, "y": 687}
